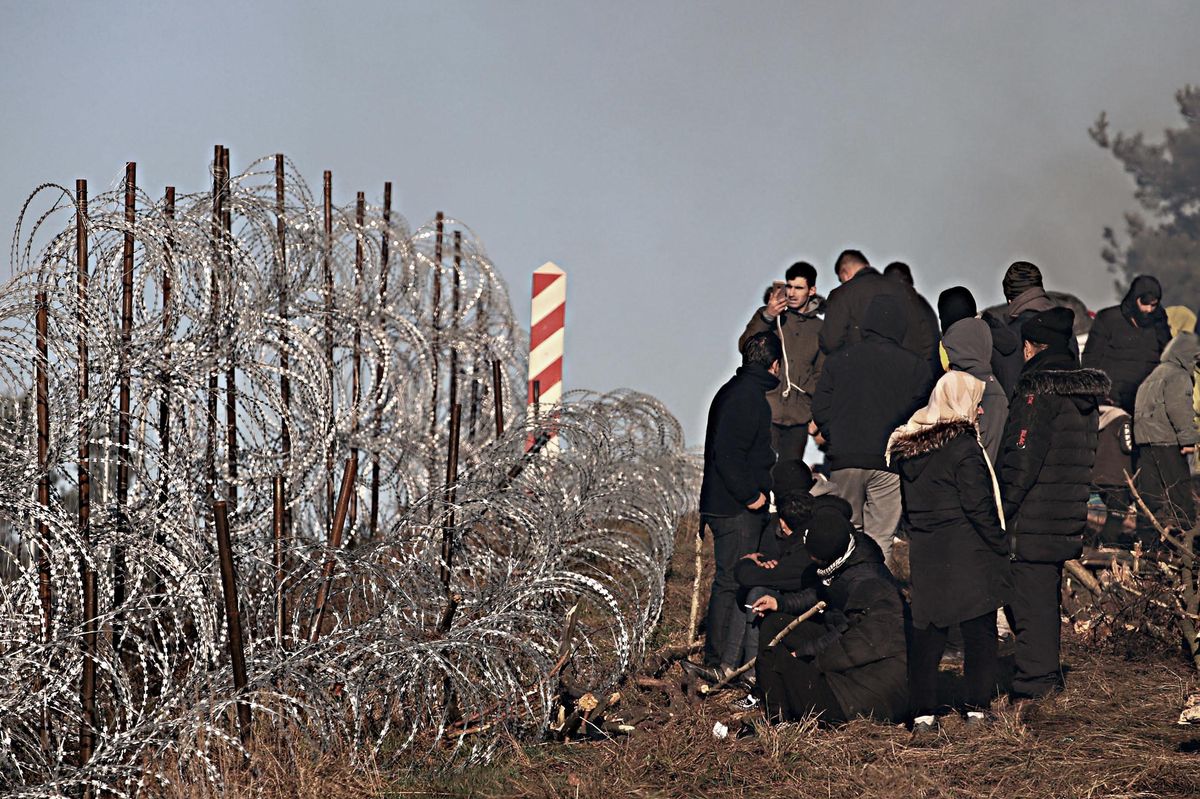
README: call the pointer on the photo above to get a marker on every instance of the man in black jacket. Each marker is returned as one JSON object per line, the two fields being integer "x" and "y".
{"x": 1045, "y": 468}
{"x": 1127, "y": 340}
{"x": 846, "y": 309}
{"x": 737, "y": 478}
{"x": 866, "y": 391}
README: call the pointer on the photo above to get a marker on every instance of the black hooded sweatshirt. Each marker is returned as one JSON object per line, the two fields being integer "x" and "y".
{"x": 737, "y": 444}
{"x": 1127, "y": 344}
{"x": 869, "y": 388}
{"x": 1047, "y": 455}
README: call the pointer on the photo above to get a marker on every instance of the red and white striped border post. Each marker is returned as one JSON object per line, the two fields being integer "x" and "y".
{"x": 546, "y": 343}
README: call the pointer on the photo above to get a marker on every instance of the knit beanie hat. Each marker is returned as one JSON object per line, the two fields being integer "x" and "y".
{"x": 829, "y": 535}
{"x": 1020, "y": 277}
{"x": 955, "y": 304}
{"x": 1052, "y": 327}
{"x": 791, "y": 475}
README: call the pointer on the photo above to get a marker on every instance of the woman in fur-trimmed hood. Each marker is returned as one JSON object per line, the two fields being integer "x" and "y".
{"x": 958, "y": 553}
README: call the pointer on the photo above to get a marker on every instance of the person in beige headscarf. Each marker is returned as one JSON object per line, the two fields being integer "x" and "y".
{"x": 1183, "y": 320}
{"x": 958, "y": 551}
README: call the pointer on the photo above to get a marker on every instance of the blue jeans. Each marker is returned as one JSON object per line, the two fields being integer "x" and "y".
{"x": 733, "y": 537}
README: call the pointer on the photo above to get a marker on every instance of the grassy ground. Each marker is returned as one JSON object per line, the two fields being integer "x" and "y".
{"x": 1111, "y": 733}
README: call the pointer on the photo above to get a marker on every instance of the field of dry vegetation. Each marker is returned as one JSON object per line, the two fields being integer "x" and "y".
{"x": 1111, "y": 733}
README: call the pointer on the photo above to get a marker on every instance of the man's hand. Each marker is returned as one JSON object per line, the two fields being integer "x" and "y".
{"x": 758, "y": 503}
{"x": 765, "y": 604}
{"x": 812, "y": 428}
{"x": 777, "y": 304}
{"x": 1187, "y": 450}
{"x": 754, "y": 556}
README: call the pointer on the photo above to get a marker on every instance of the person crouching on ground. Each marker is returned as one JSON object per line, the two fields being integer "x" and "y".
{"x": 958, "y": 556}
{"x": 849, "y": 661}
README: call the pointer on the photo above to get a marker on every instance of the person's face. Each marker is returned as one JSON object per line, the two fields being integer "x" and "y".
{"x": 1147, "y": 307}
{"x": 798, "y": 292}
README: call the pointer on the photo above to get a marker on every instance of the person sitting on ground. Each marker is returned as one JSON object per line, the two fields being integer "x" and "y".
{"x": 958, "y": 552}
{"x": 1166, "y": 434}
{"x": 850, "y": 660}
{"x": 778, "y": 558}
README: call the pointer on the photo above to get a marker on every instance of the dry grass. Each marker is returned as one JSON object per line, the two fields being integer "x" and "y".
{"x": 1111, "y": 733}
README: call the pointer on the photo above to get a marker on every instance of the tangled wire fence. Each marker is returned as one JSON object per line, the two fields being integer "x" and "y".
{"x": 250, "y": 479}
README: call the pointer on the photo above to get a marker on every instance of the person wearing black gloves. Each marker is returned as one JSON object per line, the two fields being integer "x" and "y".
{"x": 737, "y": 478}
{"x": 958, "y": 553}
{"x": 1047, "y": 454}
{"x": 850, "y": 660}
{"x": 1126, "y": 341}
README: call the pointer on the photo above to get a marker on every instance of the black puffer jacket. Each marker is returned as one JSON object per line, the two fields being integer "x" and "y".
{"x": 846, "y": 313}
{"x": 1047, "y": 456}
{"x": 868, "y": 389}
{"x": 1126, "y": 344}
{"x": 958, "y": 553}
{"x": 863, "y": 653}
{"x": 737, "y": 443}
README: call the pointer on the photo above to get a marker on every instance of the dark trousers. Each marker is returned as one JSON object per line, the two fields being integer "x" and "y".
{"x": 789, "y": 441}
{"x": 979, "y": 664}
{"x": 742, "y": 643}
{"x": 1165, "y": 483}
{"x": 733, "y": 537}
{"x": 791, "y": 687}
{"x": 1116, "y": 507}
{"x": 1034, "y": 617}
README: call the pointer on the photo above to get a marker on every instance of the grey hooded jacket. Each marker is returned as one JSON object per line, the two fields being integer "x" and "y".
{"x": 968, "y": 344}
{"x": 1163, "y": 410}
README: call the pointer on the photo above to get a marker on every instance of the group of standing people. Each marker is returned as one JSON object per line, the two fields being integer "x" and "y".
{"x": 972, "y": 435}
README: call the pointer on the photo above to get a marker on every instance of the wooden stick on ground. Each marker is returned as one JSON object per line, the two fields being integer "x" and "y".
{"x": 693, "y": 615}
{"x": 749, "y": 664}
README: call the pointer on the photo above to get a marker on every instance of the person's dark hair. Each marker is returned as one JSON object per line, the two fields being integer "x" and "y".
{"x": 762, "y": 349}
{"x": 835, "y": 503}
{"x": 899, "y": 271}
{"x": 795, "y": 509}
{"x": 850, "y": 257}
{"x": 802, "y": 269}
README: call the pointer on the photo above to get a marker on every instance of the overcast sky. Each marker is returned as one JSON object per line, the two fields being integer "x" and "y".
{"x": 672, "y": 157}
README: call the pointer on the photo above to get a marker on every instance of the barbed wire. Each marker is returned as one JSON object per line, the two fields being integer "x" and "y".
{"x": 261, "y": 346}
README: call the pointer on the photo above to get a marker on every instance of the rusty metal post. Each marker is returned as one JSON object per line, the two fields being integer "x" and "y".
{"x": 435, "y": 350}
{"x": 285, "y": 381}
{"x": 123, "y": 397}
{"x": 164, "y": 405}
{"x": 498, "y": 397}
{"x": 216, "y": 233}
{"x": 231, "y": 392}
{"x": 327, "y": 276}
{"x": 87, "y": 683}
{"x": 45, "y": 588}
{"x": 360, "y": 212}
{"x": 335, "y": 543}
{"x": 451, "y": 479}
{"x": 383, "y": 279}
{"x": 279, "y": 537}
{"x": 237, "y": 652}
{"x": 456, "y": 301}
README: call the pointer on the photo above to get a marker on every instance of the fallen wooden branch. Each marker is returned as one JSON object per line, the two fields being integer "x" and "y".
{"x": 1085, "y": 578}
{"x": 694, "y": 613}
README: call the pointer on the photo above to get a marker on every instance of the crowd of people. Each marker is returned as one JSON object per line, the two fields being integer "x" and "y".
{"x": 978, "y": 438}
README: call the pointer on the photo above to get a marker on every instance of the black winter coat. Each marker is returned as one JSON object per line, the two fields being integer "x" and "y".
{"x": 863, "y": 654}
{"x": 791, "y": 572}
{"x": 737, "y": 443}
{"x": 868, "y": 389}
{"x": 846, "y": 315}
{"x": 1047, "y": 456}
{"x": 958, "y": 552}
{"x": 1127, "y": 351}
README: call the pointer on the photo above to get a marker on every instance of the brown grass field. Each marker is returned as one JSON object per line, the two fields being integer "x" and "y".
{"x": 1111, "y": 733}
